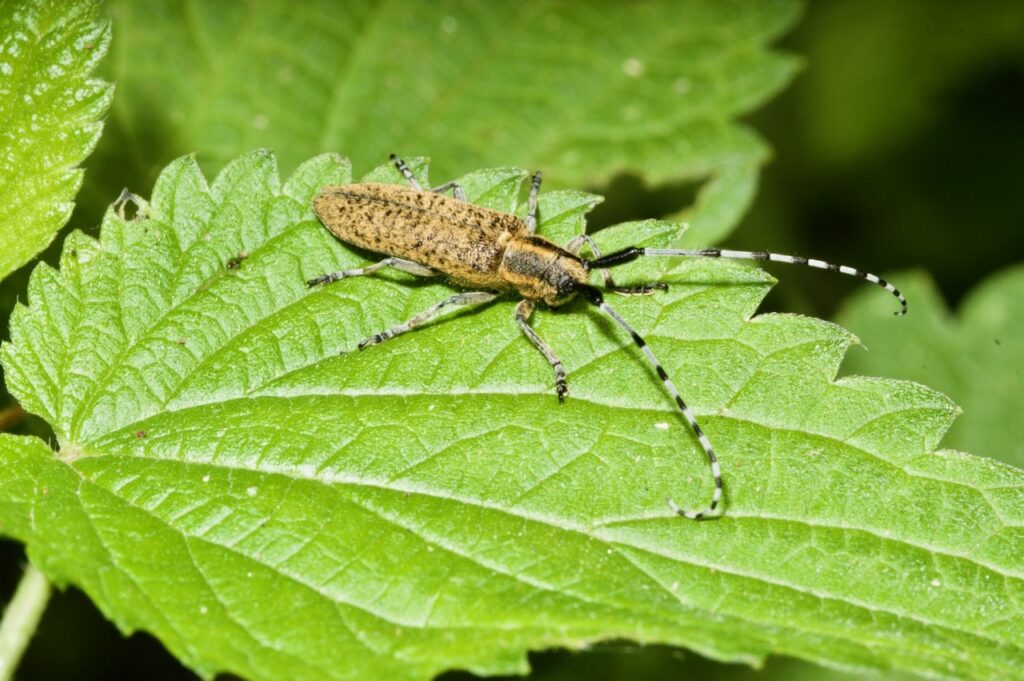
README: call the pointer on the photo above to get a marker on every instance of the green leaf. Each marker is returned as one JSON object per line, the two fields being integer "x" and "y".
{"x": 582, "y": 90}
{"x": 233, "y": 477}
{"x": 977, "y": 356}
{"x": 51, "y": 114}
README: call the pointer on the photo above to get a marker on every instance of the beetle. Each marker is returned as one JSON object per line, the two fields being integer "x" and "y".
{"x": 424, "y": 232}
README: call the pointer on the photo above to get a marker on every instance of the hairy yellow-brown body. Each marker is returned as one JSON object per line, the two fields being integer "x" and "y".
{"x": 472, "y": 246}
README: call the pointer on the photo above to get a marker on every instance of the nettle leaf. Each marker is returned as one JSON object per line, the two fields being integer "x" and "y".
{"x": 233, "y": 477}
{"x": 50, "y": 117}
{"x": 977, "y": 355}
{"x": 582, "y": 90}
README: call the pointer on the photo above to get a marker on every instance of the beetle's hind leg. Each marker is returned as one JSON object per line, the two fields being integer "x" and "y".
{"x": 523, "y": 311}
{"x": 577, "y": 242}
{"x": 400, "y": 264}
{"x": 458, "y": 300}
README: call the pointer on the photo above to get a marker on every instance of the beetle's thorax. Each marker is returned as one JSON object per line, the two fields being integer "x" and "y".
{"x": 540, "y": 270}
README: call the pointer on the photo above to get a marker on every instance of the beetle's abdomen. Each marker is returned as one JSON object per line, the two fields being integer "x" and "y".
{"x": 463, "y": 241}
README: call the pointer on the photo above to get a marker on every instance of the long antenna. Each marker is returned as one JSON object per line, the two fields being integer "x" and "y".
{"x": 632, "y": 253}
{"x": 595, "y": 297}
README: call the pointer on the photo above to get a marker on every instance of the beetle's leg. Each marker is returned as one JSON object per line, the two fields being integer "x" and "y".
{"x": 531, "y": 203}
{"x": 634, "y": 252}
{"x": 458, "y": 300}
{"x": 574, "y": 246}
{"x": 407, "y": 266}
{"x": 456, "y": 188}
{"x": 406, "y": 173}
{"x": 577, "y": 242}
{"x": 523, "y": 311}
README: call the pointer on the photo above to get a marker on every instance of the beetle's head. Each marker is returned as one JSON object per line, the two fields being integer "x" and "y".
{"x": 540, "y": 270}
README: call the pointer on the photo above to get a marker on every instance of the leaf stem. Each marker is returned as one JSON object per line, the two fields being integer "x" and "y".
{"x": 21, "y": 619}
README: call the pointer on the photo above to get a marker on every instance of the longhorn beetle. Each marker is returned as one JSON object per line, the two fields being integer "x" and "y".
{"x": 490, "y": 253}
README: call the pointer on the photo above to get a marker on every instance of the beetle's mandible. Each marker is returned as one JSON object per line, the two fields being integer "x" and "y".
{"x": 490, "y": 253}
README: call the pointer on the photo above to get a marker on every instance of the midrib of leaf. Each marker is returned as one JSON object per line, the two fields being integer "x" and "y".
{"x": 612, "y": 543}
{"x": 395, "y": 484}
{"x": 589, "y": 530}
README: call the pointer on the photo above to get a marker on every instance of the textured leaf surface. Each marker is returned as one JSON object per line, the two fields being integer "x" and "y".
{"x": 581, "y": 90}
{"x": 50, "y": 111}
{"x": 977, "y": 355}
{"x": 234, "y": 478}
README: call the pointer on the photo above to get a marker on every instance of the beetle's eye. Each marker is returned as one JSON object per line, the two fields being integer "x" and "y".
{"x": 565, "y": 285}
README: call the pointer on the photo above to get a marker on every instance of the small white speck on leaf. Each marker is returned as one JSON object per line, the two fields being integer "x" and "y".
{"x": 206, "y": 478}
{"x": 449, "y": 24}
{"x": 661, "y": 425}
{"x": 633, "y": 67}
{"x": 260, "y": 121}
{"x": 936, "y": 583}
{"x": 251, "y": 491}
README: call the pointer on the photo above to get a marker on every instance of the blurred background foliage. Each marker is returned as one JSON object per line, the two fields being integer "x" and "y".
{"x": 899, "y": 146}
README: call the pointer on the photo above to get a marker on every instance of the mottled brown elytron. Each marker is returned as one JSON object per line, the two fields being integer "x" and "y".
{"x": 425, "y": 233}
{"x": 474, "y": 247}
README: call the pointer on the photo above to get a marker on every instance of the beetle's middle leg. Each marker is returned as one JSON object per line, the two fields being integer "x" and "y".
{"x": 577, "y": 242}
{"x": 523, "y": 311}
{"x": 400, "y": 264}
{"x": 458, "y": 300}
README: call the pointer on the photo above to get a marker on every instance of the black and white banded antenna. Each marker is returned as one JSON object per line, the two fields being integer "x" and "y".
{"x": 633, "y": 252}
{"x": 595, "y": 297}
